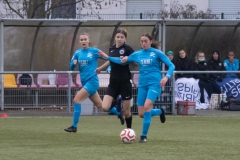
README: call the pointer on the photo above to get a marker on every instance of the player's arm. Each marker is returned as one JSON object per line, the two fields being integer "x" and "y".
{"x": 125, "y": 60}
{"x": 106, "y": 64}
{"x": 236, "y": 64}
{"x": 225, "y": 63}
{"x": 73, "y": 61}
{"x": 117, "y": 60}
{"x": 170, "y": 65}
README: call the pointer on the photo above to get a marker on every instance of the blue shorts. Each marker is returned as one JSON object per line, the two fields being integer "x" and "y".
{"x": 91, "y": 85}
{"x": 149, "y": 92}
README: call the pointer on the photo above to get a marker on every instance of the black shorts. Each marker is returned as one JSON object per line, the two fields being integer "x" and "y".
{"x": 120, "y": 87}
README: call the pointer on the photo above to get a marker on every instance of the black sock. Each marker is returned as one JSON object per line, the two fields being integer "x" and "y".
{"x": 129, "y": 122}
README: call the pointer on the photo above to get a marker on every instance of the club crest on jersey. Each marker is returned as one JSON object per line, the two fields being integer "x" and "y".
{"x": 152, "y": 54}
{"x": 89, "y": 55}
{"x": 122, "y": 51}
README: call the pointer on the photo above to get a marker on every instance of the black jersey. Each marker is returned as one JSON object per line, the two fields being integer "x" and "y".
{"x": 120, "y": 71}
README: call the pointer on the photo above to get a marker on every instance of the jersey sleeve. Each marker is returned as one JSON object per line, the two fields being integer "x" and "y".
{"x": 72, "y": 65}
{"x": 167, "y": 62}
{"x": 236, "y": 64}
{"x": 132, "y": 57}
{"x": 95, "y": 53}
{"x": 116, "y": 60}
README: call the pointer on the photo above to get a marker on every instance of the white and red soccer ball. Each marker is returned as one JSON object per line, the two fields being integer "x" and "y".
{"x": 127, "y": 135}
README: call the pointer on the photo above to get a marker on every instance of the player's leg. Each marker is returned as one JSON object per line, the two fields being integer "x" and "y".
{"x": 154, "y": 92}
{"x": 154, "y": 112}
{"x": 109, "y": 102}
{"x": 79, "y": 97}
{"x": 141, "y": 98}
{"x": 89, "y": 88}
{"x": 96, "y": 100}
{"x": 126, "y": 94}
{"x": 127, "y": 113}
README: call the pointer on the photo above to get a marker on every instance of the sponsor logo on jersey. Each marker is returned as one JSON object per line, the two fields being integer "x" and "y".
{"x": 122, "y": 51}
{"x": 82, "y": 62}
{"x": 89, "y": 55}
{"x": 146, "y": 62}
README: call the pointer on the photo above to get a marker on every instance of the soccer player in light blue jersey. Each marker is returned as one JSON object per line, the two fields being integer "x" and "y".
{"x": 149, "y": 60}
{"x": 86, "y": 58}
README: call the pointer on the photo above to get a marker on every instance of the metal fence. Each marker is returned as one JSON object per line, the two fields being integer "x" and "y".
{"x": 149, "y": 15}
{"x": 55, "y": 98}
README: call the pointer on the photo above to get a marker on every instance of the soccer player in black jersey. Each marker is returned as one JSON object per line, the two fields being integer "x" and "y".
{"x": 119, "y": 79}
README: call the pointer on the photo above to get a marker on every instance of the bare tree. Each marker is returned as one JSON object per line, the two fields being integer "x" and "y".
{"x": 48, "y": 8}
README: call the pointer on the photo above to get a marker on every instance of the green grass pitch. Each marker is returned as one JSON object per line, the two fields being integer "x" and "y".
{"x": 180, "y": 138}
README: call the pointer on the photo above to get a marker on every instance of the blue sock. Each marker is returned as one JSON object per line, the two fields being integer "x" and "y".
{"x": 146, "y": 123}
{"x": 156, "y": 112}
{"x": 114, "y": 111}
{"x": 76, "y": 114}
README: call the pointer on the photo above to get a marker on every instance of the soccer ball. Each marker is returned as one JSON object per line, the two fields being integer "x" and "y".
{"x": 127, "y": 135}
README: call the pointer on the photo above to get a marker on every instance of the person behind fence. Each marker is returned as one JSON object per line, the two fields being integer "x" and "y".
{"x": 149, "y": 60}
{"x": 170, "y": 55}
{"x": 168, "y": 92}
{"x": 200, "y": 64}
{"x": 86, "y": 58}
{"x": 120, "y": 77}
{"x": 215, "y": 64}
{"x": 183, "y": 63}
{"x": 231, "y": 64}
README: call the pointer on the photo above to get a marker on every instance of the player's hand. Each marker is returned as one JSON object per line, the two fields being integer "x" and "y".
{"x": 98, "y": 70}
{"x": 124, "y": 59}
{"x": 103, "y": 55}
{"x": 75, "y": 61}
{"x": 163, "y": 81}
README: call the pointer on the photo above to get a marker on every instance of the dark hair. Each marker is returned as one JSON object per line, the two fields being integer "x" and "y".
{"x": 217, "y": 53}
{"x": 123, "y": 31}
{"x": 86, "y": 34}
{"x": 155, "y": 44}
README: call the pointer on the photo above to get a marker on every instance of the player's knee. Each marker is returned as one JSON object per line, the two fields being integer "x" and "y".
{"x": 75, "y": 100}
{"x": 140, "y": 115}
{"x": 105, "y": 109}
{"x": 126, "y": 113}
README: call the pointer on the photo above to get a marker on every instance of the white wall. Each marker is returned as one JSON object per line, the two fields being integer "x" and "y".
{"x": 201, "y": 4}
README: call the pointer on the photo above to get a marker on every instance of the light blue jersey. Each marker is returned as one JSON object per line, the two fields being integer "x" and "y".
{"x": 87, "y": 62}
{"x": 231, "y": 67}
{"x": 150, "y": 65}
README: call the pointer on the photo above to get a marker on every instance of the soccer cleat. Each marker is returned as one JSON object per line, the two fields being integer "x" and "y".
{"x": 162, "y": 116}
{"x": 121, "y": 118}
{"x": 71, "y": 129}
{"x": 143, "y": 139}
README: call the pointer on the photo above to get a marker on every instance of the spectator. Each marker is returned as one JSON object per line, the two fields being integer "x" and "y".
{"x": 170, "y": 55}
{"x": 231, "y": 64}
{"x": 183, "y": 64}
{"x": 201, "y": 65}
{"x": 214, "y": 64}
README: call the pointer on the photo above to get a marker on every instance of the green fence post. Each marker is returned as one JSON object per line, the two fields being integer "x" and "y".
{"x": 140, "y": 15}
{"x": 222, "y": 15}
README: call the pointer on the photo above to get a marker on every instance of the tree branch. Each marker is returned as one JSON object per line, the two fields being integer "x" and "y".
{"x": 12, "y": 9}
